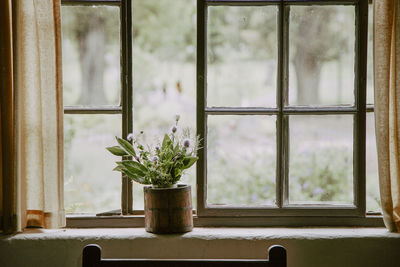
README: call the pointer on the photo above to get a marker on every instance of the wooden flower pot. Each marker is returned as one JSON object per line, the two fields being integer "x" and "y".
{"x": 168, "y": 210}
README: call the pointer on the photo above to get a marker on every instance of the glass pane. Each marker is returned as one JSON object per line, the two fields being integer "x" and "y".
{"x": 242, "y": 56}
{"x": 91, "y": 55}
{"x": 321, "y": 159}
{"x": 90, "y": 184}
{"x": 164, "y": 73}
{"x": 370, "y": 70}
{"x": 241, "y": 160}
{"x": 321, "y": 60}
{"x": 373, "y": 198}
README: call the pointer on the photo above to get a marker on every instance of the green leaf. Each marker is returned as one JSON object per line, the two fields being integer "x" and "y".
{"x": 117, "y": 151}
{"x": 118, "y": 169}
{"x": 166, "y": 142}
{"x": 133, "y": 167}
{"x": 177, "y": 172}
{"x": 136, "y": 165}
{"x": 134, "y": 177}
{"x": 189, "y": 161}
{"x": 126, "y": 146}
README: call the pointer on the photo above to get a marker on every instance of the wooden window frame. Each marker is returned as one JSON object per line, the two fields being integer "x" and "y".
{"x": 125, "y": 106}
{"x": 282, "y": 111}
{"x": 283, "y": 214}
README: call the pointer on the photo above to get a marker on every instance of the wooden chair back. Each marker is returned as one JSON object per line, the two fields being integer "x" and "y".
{"x": 92, "y": 258}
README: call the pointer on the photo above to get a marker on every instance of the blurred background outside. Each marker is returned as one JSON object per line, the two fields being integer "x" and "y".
{"x": 242, "y": 72}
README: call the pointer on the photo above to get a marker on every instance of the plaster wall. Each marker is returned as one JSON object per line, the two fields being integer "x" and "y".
{"x": 325, "y": 247}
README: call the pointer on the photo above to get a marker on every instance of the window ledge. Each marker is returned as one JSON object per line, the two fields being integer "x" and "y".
{"x": 367, "y": 247}
{"x": 88, "y": 221}
{"x": 206, "y": 233}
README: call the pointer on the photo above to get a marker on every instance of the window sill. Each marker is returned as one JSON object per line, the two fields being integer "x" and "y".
{"x": 367, "y": 247}
{"x": 85, "y": 221}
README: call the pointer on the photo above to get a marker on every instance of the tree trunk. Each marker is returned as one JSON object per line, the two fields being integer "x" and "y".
{"x": 92, "y": 50}
{"x": 308, "y": 74}
{"x": 309, "y": 55}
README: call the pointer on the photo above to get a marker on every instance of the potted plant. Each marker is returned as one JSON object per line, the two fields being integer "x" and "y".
{"x": 167, "y": 205}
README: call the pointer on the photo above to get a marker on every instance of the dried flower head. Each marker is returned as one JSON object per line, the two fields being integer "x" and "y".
{"x": 130, "y": 137}
{"x": 186, "y": 143}
{"x": 155, "y": 159}
{"x": 174, "y": 129}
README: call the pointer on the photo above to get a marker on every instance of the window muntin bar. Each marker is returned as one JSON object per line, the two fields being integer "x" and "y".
{"x": 277, "y": 2}
{"x": 90, "y": 2}
{"x": 91, "y": 110}
{"x": 360, "y": 85}
{"x": 126, "y": 94}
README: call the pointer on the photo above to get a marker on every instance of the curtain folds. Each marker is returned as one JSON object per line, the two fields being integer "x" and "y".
{"x": 38, "y": 153}
{"x": 387, "y": 106}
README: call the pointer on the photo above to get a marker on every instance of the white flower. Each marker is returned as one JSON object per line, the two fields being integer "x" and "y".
{"x": 155, "y": 159}
{"x": 177, "y": 117}
{"x": 130, "y": 137}
{"x": 186, "y": 143}
{"x": 174, "y": 129}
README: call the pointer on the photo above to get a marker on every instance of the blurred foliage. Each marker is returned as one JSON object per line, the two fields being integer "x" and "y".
{"x": 247, "y": 29}
{"x": 151, "y": 18}
{"x": 326, "y": 179}
{"x": 256, "y": 185}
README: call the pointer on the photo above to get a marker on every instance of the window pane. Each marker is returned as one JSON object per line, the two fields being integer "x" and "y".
{"x": 321, "y": 159}
{"x": 91, "y": 55}
{"x": 90, "y": 184}
{"x": 242, "y": 56}
{"x": 164, "y": 73}
{"x": 321, "y": 44}
{"x": 373, "y": 198}
{"x": 241, "y": 160}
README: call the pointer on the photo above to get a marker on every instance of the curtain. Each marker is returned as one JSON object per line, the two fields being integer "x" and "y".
{"x": 37, "y": 197}
{"x": 387, "y": 106}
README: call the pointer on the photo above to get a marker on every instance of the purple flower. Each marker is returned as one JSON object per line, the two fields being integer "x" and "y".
{"x": 318, "y": 191}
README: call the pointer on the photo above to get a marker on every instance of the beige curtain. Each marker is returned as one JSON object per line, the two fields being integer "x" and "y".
{"x": 387, "y": 106}
{"x": 37, "y": 200}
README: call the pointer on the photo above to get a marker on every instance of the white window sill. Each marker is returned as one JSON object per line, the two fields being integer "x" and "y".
{"x": 305, "y": 246}
{"x": 92, "y": 221}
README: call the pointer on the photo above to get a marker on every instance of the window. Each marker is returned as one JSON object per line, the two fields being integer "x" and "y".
{"x": 280, "y": 105}
{"x": 139, "y": 78}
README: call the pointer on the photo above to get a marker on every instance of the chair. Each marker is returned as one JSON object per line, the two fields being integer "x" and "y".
{"x": 92, "y": 258}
